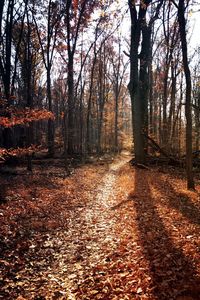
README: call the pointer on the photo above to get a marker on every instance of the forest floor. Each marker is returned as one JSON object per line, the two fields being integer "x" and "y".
{"x": 107, "y": 231}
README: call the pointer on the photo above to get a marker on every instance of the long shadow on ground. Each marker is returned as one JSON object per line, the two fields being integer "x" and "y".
{"x": 178, "y": 200}
{"x": 172, "y": 273}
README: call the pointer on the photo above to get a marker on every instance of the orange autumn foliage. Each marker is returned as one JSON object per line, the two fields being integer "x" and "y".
{"x": 17, "y": 152}
{"x": 24, "y": 116}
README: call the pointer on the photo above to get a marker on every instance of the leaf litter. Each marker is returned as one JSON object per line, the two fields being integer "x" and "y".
{"x": 106, "y": 232}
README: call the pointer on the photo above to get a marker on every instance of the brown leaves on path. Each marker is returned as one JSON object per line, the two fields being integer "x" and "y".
{"x": 117, "y": 233}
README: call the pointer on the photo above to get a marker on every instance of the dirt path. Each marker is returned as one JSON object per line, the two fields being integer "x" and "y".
{"x": 51, "y": 262}
{"x": 92, "y": 238}
{"x": 107, "y": 232}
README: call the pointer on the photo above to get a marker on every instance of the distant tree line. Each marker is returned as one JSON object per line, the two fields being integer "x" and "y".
{"x": 58, "y": 56}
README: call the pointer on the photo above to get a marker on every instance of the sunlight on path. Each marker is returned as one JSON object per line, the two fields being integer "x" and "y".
{"x": 89, "y": 239}
{"x": 107, "y": 188}
{"x": 96, "y": 224}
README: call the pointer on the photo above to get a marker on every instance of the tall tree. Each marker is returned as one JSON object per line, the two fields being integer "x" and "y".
{"x": 188, "y": 114}
{"x": 48, "y": 44}
{"x": 138, "y": 85}
{"x": 77, "y": 13}
{"x": 119, "y": 69}
{"x": 5, "y": 62}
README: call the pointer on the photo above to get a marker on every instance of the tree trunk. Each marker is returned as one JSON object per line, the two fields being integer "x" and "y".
{"x": 144, "y": 79}
{"x": 188, "y": 114}
{"x": 29, "y": 98}
{"x": 70, "y": 124}
{"x": 197, "y": 121}
{"x": 116, "y": 118}
{"x": 9, "y": 25}
{"x": 1, "y": 15}
{"x": 90, "y": 103}
{"x": 134, "y": 86}
{"x": 138, "y": 86}
{"x": 50, "y": 121}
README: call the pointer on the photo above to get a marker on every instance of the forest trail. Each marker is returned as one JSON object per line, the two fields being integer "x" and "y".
{"x": 97, "y": 232}
{"x": 109, "y": 231}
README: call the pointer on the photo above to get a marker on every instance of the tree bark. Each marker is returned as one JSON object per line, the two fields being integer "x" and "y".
{"x": 9, "y": 25}
{"x": 134, "y": 85}
{"x": 50, "y": 121}
{"x": 70, "y": 125}
{"x": 144, "y": 79}
{"x": 188, "y": 114}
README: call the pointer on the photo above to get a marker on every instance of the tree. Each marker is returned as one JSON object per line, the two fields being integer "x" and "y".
{"x": 170, "y": 43}
{"x": 8, "y": 18}
{"x": 21, "y": 117}
{"x": 119, "y": 69}
{"x": 182, "y": 29}
{"x": 47, "y": 39}
{"x": 139, "y": 77}
{"x": 77, "y": 14}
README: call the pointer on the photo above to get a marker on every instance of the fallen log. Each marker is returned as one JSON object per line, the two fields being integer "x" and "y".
{"x": 170, "y": 159}
{"x": 138, "y": 165}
